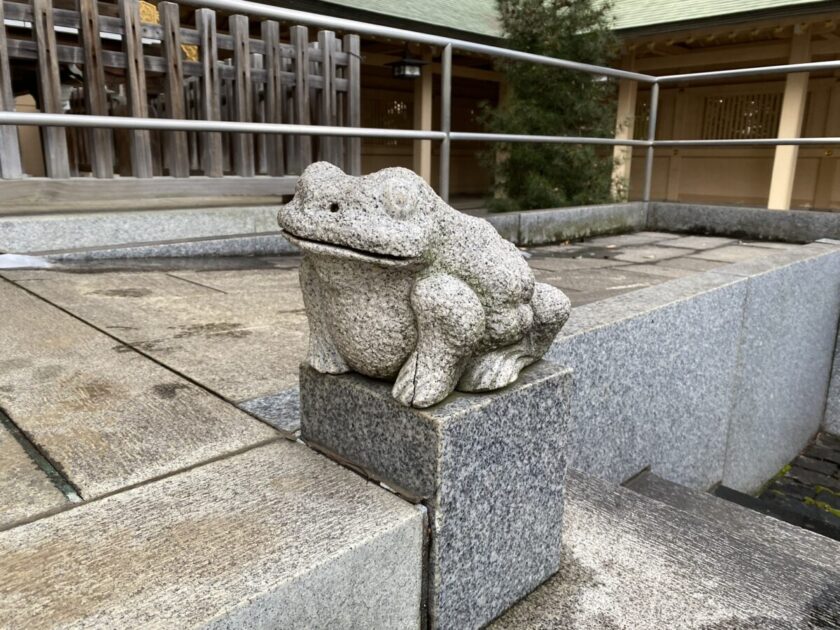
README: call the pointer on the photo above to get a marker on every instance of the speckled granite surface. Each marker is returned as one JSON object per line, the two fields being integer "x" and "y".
{"x": 789, "y": 325}
{"x": 490, "y": 467}
{"x": 831, "y": 422}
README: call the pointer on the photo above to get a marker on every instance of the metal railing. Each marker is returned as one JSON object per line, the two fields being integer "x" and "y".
{"x": 445, "y": 134}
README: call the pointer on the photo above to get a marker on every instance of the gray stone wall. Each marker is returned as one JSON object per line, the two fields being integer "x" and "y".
{"x": 831, "y": 423}
{"x": 717, "y": 377}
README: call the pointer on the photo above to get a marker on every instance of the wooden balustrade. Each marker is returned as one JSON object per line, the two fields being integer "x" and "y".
{"x": 101, "y": 59}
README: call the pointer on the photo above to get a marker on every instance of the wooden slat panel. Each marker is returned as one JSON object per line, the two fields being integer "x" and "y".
{"x": 273, "y": 96}
{"x": 211, "y": 143}
{"x": 44, "y": 194}
{"x": 243, "y": 143}
{"x": 336, "y": 105}
{"x": 10, "y": 166}
{"x": 352, "y": 47}
{"x": 300, "y": 41}
{"x": 55, "y": 138}
{"x": 177, "y": 155}
{"x": 21, "y": 49}
{"x": 100, "y": 147}
{"x": 141, "y": 155}
{"x": 70, "y": 19}
{"x": 258, "y": 102}
{"x": 326, "y": 146}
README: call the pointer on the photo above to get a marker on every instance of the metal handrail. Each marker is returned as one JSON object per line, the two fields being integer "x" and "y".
{"x": 445, "y": 135}
{"x": 377, "y": 30}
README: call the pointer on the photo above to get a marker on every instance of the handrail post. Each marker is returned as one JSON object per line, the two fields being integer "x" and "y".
{"x": 654, "y": 109}
{"x": 445, "y": 119}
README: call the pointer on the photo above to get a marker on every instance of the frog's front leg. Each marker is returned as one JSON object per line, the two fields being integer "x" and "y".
{"x": 450, "y": 324}
{"x": 322, "y": 354}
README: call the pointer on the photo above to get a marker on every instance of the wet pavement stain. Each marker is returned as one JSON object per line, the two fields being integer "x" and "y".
{"x": 168, "y": 391}
{"x": 229, "y": 329}
{"x": 128, "y": 292}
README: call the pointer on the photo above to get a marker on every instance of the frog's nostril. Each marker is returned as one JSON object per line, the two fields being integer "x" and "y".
{"x": 334, "y": 207}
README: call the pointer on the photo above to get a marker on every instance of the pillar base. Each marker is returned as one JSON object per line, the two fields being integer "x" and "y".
{"x": 490, "y": 468}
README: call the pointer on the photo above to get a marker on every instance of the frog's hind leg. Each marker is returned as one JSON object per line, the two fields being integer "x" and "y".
{"x": 322, "y": 354}
{"x": 450, "y": 325}
{"x": 501, "y": 367}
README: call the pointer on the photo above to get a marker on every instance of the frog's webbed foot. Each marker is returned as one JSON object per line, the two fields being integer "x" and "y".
{"x": 501, "y": 367}
{"x": 323, "y": 356}
{"x": 450, "y": 324}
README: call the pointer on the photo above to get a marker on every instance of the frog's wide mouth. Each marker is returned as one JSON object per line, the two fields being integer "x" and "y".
{"x": 347, "y": 252}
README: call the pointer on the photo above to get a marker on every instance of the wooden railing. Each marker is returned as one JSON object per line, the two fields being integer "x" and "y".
{"x": 104, "y": 60}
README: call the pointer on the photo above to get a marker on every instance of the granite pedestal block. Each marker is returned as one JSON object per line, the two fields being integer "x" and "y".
{"x": 490, "y": 468}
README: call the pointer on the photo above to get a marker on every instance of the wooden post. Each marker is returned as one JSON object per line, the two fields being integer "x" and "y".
{"x": 273, "y": 63}
{"x": 827, "y": 191}
{"x": 422, "y": 162}
{"x": 625, "y": 120}
{"x": 55, "y": 138}
{"x": 326, "y": 145}
{"x": 243, "y": 147}
{"x": 299, "y": 36}
{"x": 135, "y": 75}
{"x": 677, "y": 133}
{"x": 177, "y": 153}
{"x": 10, "y": 166}
{"x": 211, "y": 108}
{"x": 353, "y": 159}
{"x": 790, "y": 124}
{"x": 100, "y": 143}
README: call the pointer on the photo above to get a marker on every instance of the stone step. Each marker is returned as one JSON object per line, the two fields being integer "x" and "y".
{"x": 737, "y": 517}
{"x": 636, "y": 562}
{"x": 276, "y": 537}
{"x": 788, "y": 509}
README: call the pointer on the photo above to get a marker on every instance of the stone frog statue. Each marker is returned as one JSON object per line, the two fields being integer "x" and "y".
{"x": 398, "y": 285}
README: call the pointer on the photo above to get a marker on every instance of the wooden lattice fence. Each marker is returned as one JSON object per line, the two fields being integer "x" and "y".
{"x": 103, "y": 60}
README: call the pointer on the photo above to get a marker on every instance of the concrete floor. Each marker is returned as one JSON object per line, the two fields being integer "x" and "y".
{"x": 120, "y": 372}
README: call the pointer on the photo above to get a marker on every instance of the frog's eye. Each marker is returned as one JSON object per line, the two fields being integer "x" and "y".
{"x": 401, "y": 198}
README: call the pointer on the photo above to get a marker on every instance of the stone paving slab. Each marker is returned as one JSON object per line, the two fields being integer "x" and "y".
{"x": 241, "y": 333}
{"x": 25, "y": 489}
{"x": 106, "y": 416}
{"x": 632, "y": 562}
{"x": 696, "y": 265}
{"x": 631, "y": 239}
{"x": 649, "y": 254}
{"x": 697, "y": 242}
{"x": 277, "y": 537}
{"x": 659, "y": 269}
{"x": 236, "y": 325}
{"x": 730, "y": 253}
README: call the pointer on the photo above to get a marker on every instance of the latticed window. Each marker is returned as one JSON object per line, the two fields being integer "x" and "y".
{"x": 742, "y": 116}
{"x": 387, "y": 112}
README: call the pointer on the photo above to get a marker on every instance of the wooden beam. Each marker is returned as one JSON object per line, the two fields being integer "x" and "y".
{"x": 41, "y": 194}
{"x": 274, "y": 96}
{"x": 299, "y": 37}
{"x": 138, "y": 106}
{"x": 790, "y": 125}
{"x": 177, "y": 152}
{"x": 422, "y": 158}
{"x": 379, "y": 59}
{"x": 326, "y": 97}
{"x": 100, "y": 141}
{"x": 737, "y": 55}
{"x": 243, "y": 143}
{"x": 211, "y": 109}
{"x": 55, "y": 138}
{"x": 10, "y": 165}
{"x": 353, "y": 159}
